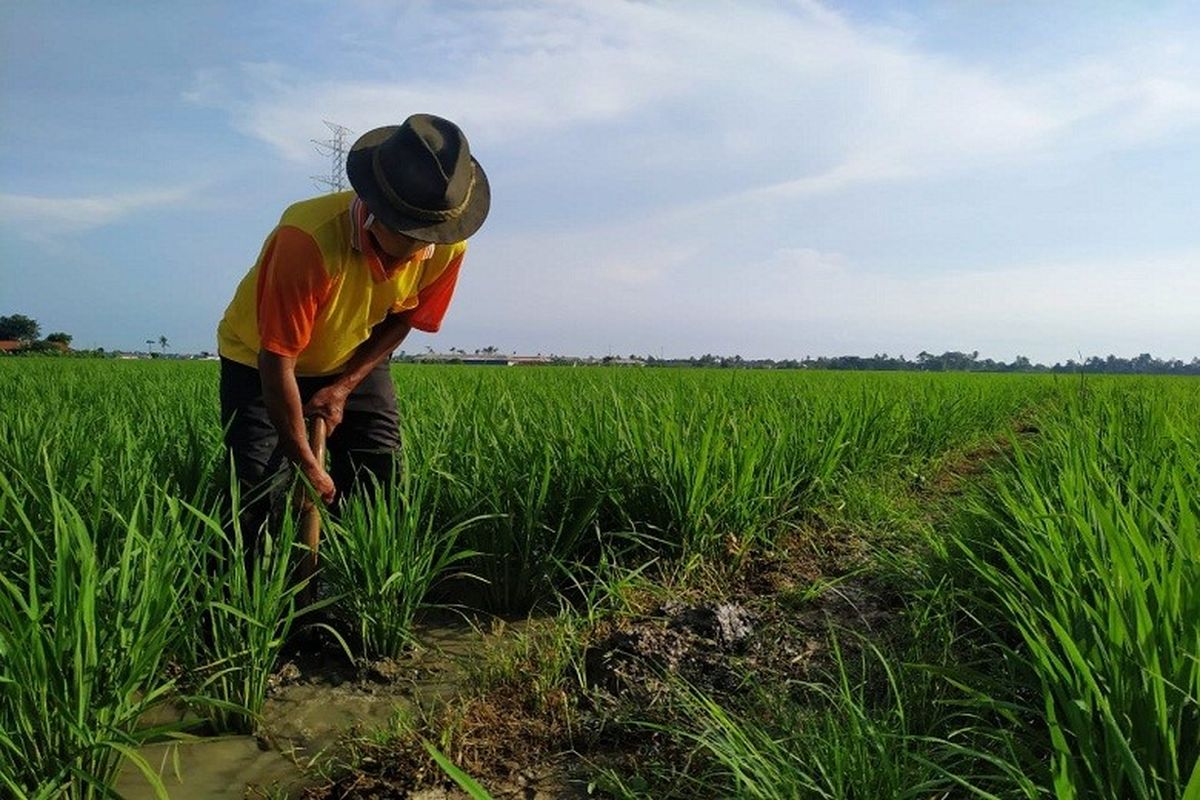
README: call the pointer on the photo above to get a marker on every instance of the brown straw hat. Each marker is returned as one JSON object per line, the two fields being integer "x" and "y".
{"x": 419, "y": 179}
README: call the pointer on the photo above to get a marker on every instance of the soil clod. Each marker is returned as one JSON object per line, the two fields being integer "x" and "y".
{"x": 637, "y": 660}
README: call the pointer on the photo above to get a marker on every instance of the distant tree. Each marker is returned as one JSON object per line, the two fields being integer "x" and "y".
{"x": 20, "y": 327}
{"x": 43, "y": 346}
{"x": 162, "y": 342}
{"x": 58, "y": 337}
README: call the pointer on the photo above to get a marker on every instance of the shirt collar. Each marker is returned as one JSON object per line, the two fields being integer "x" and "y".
{"x": 360, "y": 240}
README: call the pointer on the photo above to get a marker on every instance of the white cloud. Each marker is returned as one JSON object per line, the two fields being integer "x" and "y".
{"x": 39, "y": 216}
{"x": 1097, "y": 293}
{"x": 807, "y": 262}
{"x": 717, "y": 86}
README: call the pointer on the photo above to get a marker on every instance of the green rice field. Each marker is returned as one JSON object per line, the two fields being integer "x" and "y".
{"x": 1029, "y": 548}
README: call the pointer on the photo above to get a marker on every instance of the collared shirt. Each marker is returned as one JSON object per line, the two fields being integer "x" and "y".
{"x": 320, "y": 285}
{"x": 363, "y": 243}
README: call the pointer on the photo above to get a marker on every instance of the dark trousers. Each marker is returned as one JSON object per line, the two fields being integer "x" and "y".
{"x": 366, "y": 443}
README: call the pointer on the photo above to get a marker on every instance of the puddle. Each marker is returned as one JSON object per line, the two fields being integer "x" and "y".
{"x": 317, "y": 699}
{"x": 210, "y": 769}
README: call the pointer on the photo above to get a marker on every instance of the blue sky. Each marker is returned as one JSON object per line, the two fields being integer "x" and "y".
{"x": 764, "y": 178}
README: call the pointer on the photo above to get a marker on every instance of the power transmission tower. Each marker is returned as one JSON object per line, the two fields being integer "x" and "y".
{"x": 334, "y": 149}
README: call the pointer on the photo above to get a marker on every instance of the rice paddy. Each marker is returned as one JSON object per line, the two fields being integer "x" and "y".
{"x": 1042, "y": 627}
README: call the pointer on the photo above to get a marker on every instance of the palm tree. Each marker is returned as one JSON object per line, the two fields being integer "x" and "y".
{"x": 162, "y": 342}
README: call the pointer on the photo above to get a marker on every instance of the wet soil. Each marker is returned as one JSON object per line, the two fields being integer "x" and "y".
{"x": 315, "y": 699}
{"x": 724, "y": 645}
{"x": 540, "y": 735}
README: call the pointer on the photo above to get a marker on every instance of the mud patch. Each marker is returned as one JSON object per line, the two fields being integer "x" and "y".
{"x": 637, "y": 659}
{"x": 315, "y": 700}
{"x": 723, "y": 645}
{"x": 213, "y": 769}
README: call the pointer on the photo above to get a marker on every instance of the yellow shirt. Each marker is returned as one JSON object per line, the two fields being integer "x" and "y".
{"x": 319, "y": 286}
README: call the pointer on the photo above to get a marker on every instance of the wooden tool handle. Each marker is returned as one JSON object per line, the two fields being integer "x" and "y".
{"x": 316, "y": 438}
{"x": 310, "y": 521}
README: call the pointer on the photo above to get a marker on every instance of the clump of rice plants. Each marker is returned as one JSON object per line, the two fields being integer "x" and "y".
{"x": 1092, "y": 560}
{"x": 532, "y": 472}
{"x": 243, "y": 612}
{"x": 84, "y": 630}
{"x": 868, "y": 729}
{"x": 384, "y": 552}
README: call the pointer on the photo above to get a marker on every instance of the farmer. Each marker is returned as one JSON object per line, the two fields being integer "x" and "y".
{"x": 338, "y": 285}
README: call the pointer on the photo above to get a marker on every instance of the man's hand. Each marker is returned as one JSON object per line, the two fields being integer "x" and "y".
{"x": 281, "y": 396}
{"x": 328, "y": 402}
{"x": 321, "y": 482}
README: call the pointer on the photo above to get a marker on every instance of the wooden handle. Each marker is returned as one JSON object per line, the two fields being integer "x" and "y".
{"x": 316, "y": 438}
{"x": 310, "y": 520}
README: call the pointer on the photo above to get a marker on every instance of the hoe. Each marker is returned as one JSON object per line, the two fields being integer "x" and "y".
{"x": 310, "y": 518}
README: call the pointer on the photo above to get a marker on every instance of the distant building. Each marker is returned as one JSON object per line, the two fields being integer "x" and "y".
{"x": 11, "y": 345}
{"x": 483, "y": 360}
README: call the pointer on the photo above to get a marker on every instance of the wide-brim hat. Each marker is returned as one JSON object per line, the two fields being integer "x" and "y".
{"x": 420, "y": 179}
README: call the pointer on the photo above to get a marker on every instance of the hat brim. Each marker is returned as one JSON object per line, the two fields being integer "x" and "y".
{"x": 362, "y": 179}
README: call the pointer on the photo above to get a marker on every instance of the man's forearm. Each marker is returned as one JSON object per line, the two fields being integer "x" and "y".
{"x": 281, "y": 395}
{"x": 385, "y": 338}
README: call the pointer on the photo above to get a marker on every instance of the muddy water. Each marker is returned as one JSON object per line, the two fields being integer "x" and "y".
{"x": 314, "y": 705}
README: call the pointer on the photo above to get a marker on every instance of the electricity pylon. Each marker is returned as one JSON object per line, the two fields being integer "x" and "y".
{"x": 334, "y": 149}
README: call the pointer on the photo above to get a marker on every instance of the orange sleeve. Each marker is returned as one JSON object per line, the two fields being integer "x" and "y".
{"x": 292, "y": 284}
{"x": 434, "y": 299}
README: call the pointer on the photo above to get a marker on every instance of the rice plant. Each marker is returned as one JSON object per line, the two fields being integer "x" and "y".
{"x": 84, "y": 630}
{"x": 1093, "y": 561}
{"x": 382, "y": 555}
{"x": 115, "y": 549}
{"x": 243, "y": 611}
{"x": 852, "y": 735}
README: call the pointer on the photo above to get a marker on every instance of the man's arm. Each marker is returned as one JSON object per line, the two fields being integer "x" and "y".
{"x": 385, "y": 337}
{"x": 281, "y": 396}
